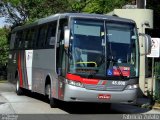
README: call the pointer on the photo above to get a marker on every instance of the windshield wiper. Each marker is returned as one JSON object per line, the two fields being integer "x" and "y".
{"x": 114, "y": 63}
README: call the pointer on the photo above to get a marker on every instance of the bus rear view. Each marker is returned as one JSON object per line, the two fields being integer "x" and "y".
{"x": 103, "y": 61}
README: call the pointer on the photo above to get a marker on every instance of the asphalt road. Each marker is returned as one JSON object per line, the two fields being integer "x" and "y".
{"x": 32, "y": 103}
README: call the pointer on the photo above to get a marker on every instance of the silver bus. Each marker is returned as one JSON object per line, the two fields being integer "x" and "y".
{"x": 76, "y": 57}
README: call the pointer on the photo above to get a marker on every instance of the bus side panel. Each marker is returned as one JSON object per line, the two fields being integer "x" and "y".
{"x": 17, "y": 68}
{"x": 12, "y": 66}
{"x": 28, "y": 68}
{"x": 22, "y": 69}
{"x": 43, "y": 65}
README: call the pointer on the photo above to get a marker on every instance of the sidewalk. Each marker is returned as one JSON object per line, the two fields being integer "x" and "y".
{"x": 5, "y": 86}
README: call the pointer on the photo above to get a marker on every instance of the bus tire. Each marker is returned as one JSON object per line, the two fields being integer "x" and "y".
{"x": 19, "y": 90}
{"x": 52, "y": 101}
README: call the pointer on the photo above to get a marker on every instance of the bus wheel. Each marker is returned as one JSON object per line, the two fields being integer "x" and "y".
{"x": 19, "y": 90}
{"x": 52, "y": 101}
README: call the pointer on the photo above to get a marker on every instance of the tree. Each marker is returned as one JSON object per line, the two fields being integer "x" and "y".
{"x": 3, "y": 46}
{"x": 104, "y": 6}
{"x": 14, "y": 11}
{"x": 79, "y": 5}
{"x": 98, "y": 6}
{"x": 155, "y": 5}
{"x": 19, "y": 12}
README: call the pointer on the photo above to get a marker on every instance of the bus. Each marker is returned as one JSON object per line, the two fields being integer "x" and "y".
{"x": 76, "y": 57}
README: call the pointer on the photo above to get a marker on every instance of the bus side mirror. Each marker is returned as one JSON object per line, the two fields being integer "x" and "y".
{"x": 148, "y": 43}
{"x": 66, "y": 37}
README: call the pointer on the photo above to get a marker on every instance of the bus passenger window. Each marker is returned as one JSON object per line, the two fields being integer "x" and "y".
{"x": 34, "y": 37}
{"x": 30, "y": 38}
{"x": 23, "y": 43}
{"x": 51, "y": 35}
{"x": 12, "y": 42}
{"x": 42, "y": 36}
{"x": 18, "y": 40}
{"x": 26, "y": 39}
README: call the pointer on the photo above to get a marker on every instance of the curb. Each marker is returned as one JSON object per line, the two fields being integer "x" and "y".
{"x": 156, "y": 106}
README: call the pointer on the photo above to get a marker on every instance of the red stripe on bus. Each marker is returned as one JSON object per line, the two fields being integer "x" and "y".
{"x": 20, "y": 71}
{"x": 82, "y": 80}
{"x": 104, "y": 82}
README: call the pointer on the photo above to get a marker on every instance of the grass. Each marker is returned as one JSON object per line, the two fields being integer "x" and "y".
{"x": 3, "y": 81}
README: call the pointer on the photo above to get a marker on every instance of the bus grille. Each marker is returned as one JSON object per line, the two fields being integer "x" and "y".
{"x": 104, "y": 88}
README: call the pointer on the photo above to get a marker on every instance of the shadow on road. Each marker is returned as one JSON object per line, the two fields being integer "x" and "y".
{"x": 90, "y": 108}
{"x": 130, "y": 109}
{"x": 86, "y": 108}
{"x": 74, "y": 108}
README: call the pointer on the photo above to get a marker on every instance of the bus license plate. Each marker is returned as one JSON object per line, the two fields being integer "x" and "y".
{"x": 104, "y": 96}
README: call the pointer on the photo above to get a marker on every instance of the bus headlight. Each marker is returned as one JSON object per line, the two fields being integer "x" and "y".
{"x": 74, "y": 83}
{"x": 130, "y": 87}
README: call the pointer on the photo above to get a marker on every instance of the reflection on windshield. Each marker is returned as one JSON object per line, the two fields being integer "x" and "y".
{"x": 86, "y": 43}
{"x": 121, "y": 50}
{"x": 86, "y": 48}
{"x": 119, "y": 42}
{"x": 104, "y": 52}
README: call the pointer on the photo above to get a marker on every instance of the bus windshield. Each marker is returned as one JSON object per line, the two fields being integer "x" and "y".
{"x": 101, "y": 49}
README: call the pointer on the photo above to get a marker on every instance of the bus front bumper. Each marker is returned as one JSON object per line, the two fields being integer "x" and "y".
{"x": 78, "y": 94}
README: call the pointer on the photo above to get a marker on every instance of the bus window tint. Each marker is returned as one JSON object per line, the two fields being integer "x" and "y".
{"x": 42, "y": 36}
{"x": 23, "y": 42}
{"x": 51, "y": 35}
{"x": 18, "y": 39}
{"x": 31, "y": 38}
{"x": 34, "y": 37}
{"x": 12, "y": 42}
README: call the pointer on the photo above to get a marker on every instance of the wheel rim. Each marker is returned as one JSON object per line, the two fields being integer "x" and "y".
{"x": 49, "y": 92}
{"x": 17, "y": 86}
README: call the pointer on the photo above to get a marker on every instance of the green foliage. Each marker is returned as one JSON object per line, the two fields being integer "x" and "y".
{"x": 97, "y": 6}
{"x": 155, "y": 5}
{"x": 3, "y": 46}
{"x": 14, "y": 11}
{"x": 157, "y": 97}
{"x": 19, "y": 12}
{"x": 104, "y": 6}
{"x": 42, "y": 8}
{"x": 157, "y": 70}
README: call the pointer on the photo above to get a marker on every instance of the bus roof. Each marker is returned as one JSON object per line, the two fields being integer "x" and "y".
{"x": 80, "y": 15}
